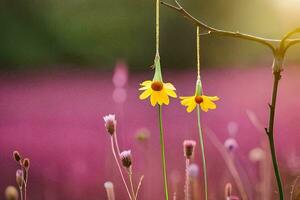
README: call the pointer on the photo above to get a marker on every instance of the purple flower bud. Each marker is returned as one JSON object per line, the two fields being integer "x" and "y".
{"x": 126, "y": 158}
{"x": 110, "y": 123}
{"x": 188, "y": 148}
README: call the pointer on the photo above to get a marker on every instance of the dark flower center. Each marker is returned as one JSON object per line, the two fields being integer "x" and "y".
{"x": 198, "y": 99}
{"x": 157, "y": 86}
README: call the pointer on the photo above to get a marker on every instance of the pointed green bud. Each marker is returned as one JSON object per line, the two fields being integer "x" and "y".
{"x": 198, "y": 91}
{"x": 157, "y": 74}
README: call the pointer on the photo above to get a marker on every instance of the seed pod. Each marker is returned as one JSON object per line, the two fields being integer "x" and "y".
{"x": 17, "y": 156}
{"x": 26, "y": 163}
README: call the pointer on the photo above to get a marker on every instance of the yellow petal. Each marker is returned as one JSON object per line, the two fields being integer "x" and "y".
{"x": 164, "y": 97}
{"x": 169, "y": 86}
{"x": 145, "y": 94}
{"x": 191, "y": 107}
{"x": 153, "y": 98}
{"x": 208, "y": 103}
{"x": 203, "y": 107}
{"x": 187, "y": 100}
{"x": 213, "y": 98}
{"x": 171, "y": 93}
{"x": 146, "y": 83}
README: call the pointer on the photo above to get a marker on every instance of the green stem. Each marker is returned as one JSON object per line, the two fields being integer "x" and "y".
{"x": 270, "y": 132}
{"x": 203, "y": 153}
{"x": 163, "y": 158}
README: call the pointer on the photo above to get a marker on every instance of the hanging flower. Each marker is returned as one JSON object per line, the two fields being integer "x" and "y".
{"x": 158, "y": 91}
{"x": 205, "y": 102}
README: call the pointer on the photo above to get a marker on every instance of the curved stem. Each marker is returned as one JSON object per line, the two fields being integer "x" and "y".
{"x": 119, "y": 167}
{"x": 202, "y": 152}
{"x": 270, "y": 133}
{"x": 163, "y": 158}
{"x": 271, "y": 43}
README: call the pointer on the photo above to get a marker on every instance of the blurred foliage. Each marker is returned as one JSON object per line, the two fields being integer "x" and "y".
{"x": 95, "y": 33}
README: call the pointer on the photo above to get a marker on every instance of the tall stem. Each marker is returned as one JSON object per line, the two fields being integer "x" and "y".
{"x": 163, "y": 158}
{"x": 21, "y": 193}
{"x": 119, "y": 167}
{"x": 270, "y": 132}
{"x": 157, "y": 26}
{"x": 202, "y": 153}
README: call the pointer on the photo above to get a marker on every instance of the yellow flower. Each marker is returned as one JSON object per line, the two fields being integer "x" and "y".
{"x": 158, "y": 91}
{"x": 205, "y": 102}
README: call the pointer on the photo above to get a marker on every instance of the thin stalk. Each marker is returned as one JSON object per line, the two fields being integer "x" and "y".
{"x": 139, "y": 186}
{"x": 270, "y": 133}
{"x": 25, "y": 183}
{"x": 202, "y": 153}
{"x": 21, "y": 193}
{"x": 157, "y": 26}
{"x": 119, "y": 167}
{"x": 187, "y": 180}
{"x": 163, "y": 158}
{"x": 131, "y": 183}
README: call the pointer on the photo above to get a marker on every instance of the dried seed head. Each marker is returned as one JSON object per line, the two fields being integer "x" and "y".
{"x": 126, "y": 158}
{"x": 228, "y": 190}
{"x": 193, "y": 170}
{"x": 11, "y": 193}
{"x": 26, "y": 163}
{"x": 110, "y": 123}
{"x": 17, "y": 156}
{"x": 231, "y": 144}
{"x": 188, "y": 148}
{"x": 157, "y": 86}
{"x": 20, "y": 177}
{"x": 109, "y": 187}
{"x": 198, "y": 99}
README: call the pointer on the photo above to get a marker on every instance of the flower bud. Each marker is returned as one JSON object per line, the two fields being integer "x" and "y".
{"x": 110, "y": 123}
{"x": 257, "y": 154}
{"x": 11, "y": 193}
{"x": 126, "y": 158}
{"x": 188, "y": 148}
{"x": 26, "y": 163}
{"x": 17, "y": 156}
{"x": 20, "y": 177}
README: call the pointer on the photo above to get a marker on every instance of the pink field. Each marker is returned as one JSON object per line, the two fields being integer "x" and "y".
{"x": 56, "y": 120}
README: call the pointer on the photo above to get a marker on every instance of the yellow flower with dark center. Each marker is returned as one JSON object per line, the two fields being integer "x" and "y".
{"x": 205, "y": 102}
{"x": 158, "y": 91}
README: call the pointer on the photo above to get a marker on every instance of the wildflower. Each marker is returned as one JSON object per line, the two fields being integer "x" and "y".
{"x": 230, "y": 144}
{"x": 188, "y": 148}
{"x": 158, "y": 91}
{"x": 126, "y": 158}
{"x": 11, "y": 193}
{"x": 20, "y": 177}
{"x": 205, "y": 102}
{"x": 193, "y": 170}
{"x": 110, "y": 123}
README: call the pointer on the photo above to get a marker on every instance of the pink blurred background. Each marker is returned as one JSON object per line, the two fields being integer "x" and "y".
{"x": 55, "y": 119}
